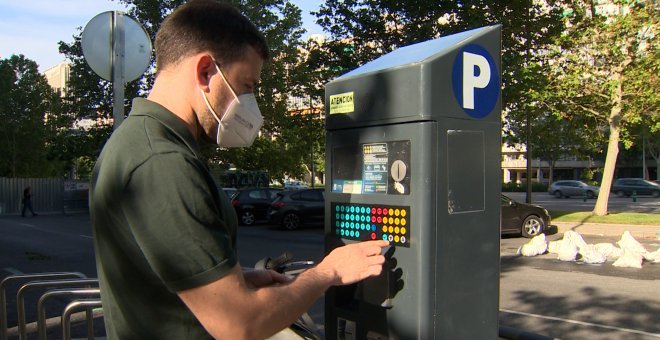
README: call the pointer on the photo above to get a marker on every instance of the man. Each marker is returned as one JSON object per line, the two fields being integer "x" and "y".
{"x": 165, "y": 240}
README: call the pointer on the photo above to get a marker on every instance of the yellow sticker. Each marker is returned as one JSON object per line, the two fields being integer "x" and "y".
{"x": 342, "y": 103}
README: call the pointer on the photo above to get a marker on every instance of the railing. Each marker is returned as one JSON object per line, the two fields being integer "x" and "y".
{"x": 79, "y": 286}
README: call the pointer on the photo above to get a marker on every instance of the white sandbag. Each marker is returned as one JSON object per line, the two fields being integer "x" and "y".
{"x": 553, "y": 246}
{"x": 609, "y": 250}
{"x": 653, "y": 256}
{"x": 576, "y": 238}
{"x": 627, "y": 241}
{"x": 567, "y": 250}
{"x": 629, "y": 259}
{"x": 590, "y": 254}
{"x": 536, "y": 246}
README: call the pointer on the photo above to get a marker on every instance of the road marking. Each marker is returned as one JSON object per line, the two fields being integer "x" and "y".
{"x": 86, "y": 236}
{"x": 13, "y": 271}
{"x": 628, "y": 330}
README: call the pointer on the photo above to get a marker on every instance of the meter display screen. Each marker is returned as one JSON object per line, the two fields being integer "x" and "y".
{"x": 365, "y": 222}
{"x": 372, "y": 168}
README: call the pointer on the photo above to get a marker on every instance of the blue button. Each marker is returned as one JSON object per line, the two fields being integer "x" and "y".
{"x": 373, "y": 227}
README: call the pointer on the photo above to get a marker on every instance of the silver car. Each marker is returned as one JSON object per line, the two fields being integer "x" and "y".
{"x": 572, "y": 188}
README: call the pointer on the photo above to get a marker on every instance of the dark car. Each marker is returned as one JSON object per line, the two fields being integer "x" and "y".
{"x": 628, "y": 186}
{"x": 522, "y": 218}
{"x": 293, "y": 209}
{"x": 570, "y": 188}
{"x": 251, "y": 205}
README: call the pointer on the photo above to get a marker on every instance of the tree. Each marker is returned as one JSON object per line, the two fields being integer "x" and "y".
{"x": 606, "y": 68}
{"x": 365, "y": 29}
{"x": 29, "y": 110}
{"x": 280, "y": 21}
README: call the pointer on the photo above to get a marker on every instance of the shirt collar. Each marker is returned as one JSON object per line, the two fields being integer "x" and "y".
{"x": 145, "y": 107}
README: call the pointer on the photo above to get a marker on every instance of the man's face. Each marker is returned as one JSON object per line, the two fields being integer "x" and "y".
{"x": 242, "y": 75}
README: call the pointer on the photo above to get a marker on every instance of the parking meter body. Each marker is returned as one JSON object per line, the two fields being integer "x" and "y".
{"x": 413, "y": 156}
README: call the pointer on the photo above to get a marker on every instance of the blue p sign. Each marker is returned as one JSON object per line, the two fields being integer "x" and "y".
{"x": 476, "y": 81}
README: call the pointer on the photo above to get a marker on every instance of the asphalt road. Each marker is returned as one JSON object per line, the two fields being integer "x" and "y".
{"x": 539, "y": 294}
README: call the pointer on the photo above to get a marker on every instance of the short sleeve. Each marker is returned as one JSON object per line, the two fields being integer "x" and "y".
{"x": 176, "y": 222}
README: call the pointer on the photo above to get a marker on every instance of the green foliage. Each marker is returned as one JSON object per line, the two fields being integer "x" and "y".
{"x": 31, "y": 114}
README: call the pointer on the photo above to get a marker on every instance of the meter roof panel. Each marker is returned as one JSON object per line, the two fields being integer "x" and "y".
{"x": 412, "y": 54}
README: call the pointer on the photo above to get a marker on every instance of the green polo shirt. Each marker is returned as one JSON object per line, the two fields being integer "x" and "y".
{"x": 160, "y": 226}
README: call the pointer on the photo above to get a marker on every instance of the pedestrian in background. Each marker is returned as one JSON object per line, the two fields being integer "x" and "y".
{"x": 27, "y": 202}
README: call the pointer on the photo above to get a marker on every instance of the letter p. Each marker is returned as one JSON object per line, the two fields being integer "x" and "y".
{"x": 472, "y": 81}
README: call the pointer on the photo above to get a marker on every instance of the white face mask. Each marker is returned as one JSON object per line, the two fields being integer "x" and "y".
{"x": 241, "y": 122}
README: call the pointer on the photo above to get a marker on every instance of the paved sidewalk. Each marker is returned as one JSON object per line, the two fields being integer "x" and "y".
{"x": 637, "y": 231}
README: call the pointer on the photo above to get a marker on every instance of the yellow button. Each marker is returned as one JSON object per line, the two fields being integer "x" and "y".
{"x": 396, "y": 221}
{"x": 403, "y": 212}
{"x": 391, "y": 229}
{"x": 391, "y": 211}
{"x": 403, "y": 221}
{"x": 396, "y": 238}
{"x": 397, "y": 212}
{"x": 403, "y": 231}
{"x": 384, "y": 228}
{"x": 396, "y": 230}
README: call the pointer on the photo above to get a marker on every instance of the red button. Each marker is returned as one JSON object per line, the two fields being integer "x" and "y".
{"x": 373, "y": 211}
{"x": 373, "y": 219}
{"x": 373, "y": 236}
{"x": 380, "y": 211}
{"x": 385, "y": 211}
{"x": 379, "y": 219}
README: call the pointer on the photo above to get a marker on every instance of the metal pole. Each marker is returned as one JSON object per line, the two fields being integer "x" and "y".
{"x": 70, "y": 308}
{"x": 118, "y": 80}
{"x": 41, "y": 306}
{"x": 20, "y": 297}
{"x": 5, "y": 282}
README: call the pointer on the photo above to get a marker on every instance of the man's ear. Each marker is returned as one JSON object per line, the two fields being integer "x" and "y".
{"x": 204, "y": 70}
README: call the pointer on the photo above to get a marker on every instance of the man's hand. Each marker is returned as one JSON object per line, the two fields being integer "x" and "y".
{"x": 353, "y": 262}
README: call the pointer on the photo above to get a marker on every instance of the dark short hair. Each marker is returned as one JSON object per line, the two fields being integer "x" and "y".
{"x": 206, "y": 25}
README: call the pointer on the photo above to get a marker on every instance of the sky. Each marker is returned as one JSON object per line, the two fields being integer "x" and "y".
{"x": 34, "y": 27}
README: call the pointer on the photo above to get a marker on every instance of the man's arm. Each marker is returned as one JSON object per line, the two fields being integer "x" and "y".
{"x": 230, "y": 309}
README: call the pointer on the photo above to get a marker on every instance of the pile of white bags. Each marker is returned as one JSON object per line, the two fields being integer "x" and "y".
{"x": 536, "y": 246}
{"x": 572, "y": 247}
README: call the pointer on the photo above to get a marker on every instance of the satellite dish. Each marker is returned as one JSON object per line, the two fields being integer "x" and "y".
{"x": 111, "y": 36}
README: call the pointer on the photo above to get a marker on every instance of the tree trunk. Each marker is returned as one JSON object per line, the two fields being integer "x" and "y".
{"x": 612, "y": 147}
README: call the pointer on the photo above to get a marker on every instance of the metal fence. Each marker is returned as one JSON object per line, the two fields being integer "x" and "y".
{"x": 49, "y": 195}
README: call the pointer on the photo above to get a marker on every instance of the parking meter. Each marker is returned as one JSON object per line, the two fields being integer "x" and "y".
{"x": 413, "y": 157}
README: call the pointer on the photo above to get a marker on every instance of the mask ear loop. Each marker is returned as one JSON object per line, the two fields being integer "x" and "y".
{"x": 222, "y": 74}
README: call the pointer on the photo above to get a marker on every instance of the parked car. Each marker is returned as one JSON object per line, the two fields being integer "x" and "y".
{"x": 293, "y": 209}
{"x": 294, "y": 185}
{"x": 572, "y": 188}
{"x": 522, "y": 218}
{"x": 252, "y": 204}
{"x": 628, "y": 186}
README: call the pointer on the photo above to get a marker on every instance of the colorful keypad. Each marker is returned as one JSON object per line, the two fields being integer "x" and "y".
{"x": 370, "y": 222}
